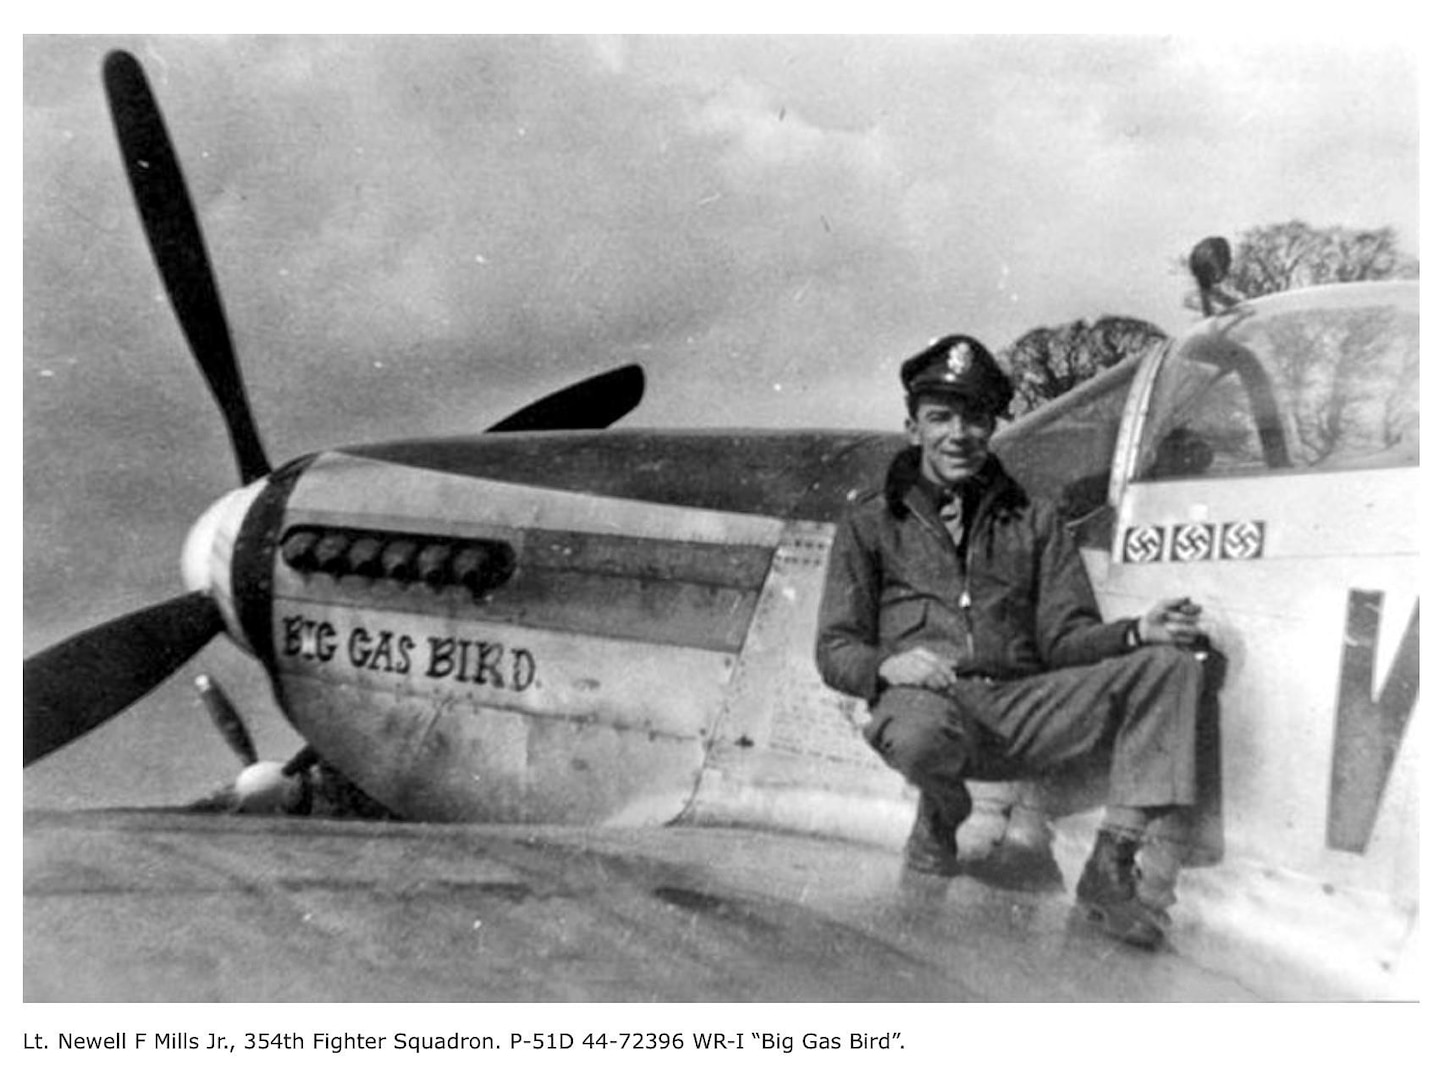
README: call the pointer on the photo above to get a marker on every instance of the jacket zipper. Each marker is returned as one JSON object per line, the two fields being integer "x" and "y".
{"x": 965, "y": 564}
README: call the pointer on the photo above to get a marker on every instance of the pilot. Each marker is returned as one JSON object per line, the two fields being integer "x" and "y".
{"x": 959, "y": 608}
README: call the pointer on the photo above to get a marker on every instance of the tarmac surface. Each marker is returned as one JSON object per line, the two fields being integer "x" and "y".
{"x": 174, "y": 906}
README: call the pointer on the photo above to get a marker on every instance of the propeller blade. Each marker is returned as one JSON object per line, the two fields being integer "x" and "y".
{"x": 234, "y": 731}
{"x": 87, "y": 679}
{"x": 177, "y": 247}
{"x": 302, "y": 761}
{"x": 591, "y": 404}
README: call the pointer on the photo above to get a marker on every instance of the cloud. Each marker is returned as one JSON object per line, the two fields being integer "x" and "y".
{"x": 416, "y": 235}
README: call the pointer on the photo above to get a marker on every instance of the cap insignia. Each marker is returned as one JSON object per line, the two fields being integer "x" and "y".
{"x": 959, "y": 360}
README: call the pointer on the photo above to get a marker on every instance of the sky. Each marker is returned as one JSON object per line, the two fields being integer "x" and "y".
{"x": 417, "y": 236}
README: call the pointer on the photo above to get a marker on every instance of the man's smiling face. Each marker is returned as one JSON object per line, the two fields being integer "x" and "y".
{"x": 953, "y": 435}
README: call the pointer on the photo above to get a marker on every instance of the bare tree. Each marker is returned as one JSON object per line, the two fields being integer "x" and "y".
{"x": 1349, "y": 380}
{"x": 1047, "y": 362}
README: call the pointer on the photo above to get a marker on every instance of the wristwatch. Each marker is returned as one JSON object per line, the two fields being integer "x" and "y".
{"x": 1133, "y": 638}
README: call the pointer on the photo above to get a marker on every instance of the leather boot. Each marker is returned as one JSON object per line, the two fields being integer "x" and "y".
{"x": 931, "y": 848}
{"x": 1107, "y": 893}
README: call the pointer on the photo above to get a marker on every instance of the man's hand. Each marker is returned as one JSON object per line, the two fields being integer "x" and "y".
{"x": 1171, "y": 622}
{"x": 918, "y": 667}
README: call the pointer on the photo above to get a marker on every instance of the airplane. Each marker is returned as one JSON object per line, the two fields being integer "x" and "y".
{"x": 573, "y": 665}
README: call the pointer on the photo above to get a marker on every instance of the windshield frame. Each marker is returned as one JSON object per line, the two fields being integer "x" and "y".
{"x": 1216, "y": 338}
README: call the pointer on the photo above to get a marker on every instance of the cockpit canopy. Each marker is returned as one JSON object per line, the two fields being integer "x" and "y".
{"x": 1323, "y": 379}
{"x": 1327, "y": 380}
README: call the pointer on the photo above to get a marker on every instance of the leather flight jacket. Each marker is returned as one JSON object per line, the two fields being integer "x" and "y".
{"x": 1017, "y": 603}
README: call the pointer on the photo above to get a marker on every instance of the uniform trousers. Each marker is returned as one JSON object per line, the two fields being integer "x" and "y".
{"x": 1141, "y": 706}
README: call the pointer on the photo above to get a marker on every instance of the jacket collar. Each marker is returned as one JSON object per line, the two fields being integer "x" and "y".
{"x": 1003, "y": 494}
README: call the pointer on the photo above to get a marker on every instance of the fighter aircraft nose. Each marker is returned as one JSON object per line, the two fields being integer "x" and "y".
{"x": 207, "y": 556}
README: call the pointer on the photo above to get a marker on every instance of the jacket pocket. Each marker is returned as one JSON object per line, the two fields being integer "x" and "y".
{"x": 902, "y": 619}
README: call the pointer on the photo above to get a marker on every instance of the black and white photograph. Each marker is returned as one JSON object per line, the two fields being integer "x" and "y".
{"x": 720, "y": 519}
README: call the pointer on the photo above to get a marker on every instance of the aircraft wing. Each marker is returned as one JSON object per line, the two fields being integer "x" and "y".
{"x": 156, "y": 905}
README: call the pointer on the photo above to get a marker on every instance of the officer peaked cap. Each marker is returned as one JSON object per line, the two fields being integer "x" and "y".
{"x": 958, "y": 364}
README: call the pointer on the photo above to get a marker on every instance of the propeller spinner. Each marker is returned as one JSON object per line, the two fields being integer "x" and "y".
{"x": 80, "y": 683}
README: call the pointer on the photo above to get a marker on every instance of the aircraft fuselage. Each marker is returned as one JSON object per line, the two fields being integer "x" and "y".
{"x": 524, "y": 628}
{"x": 617, "y": 627}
